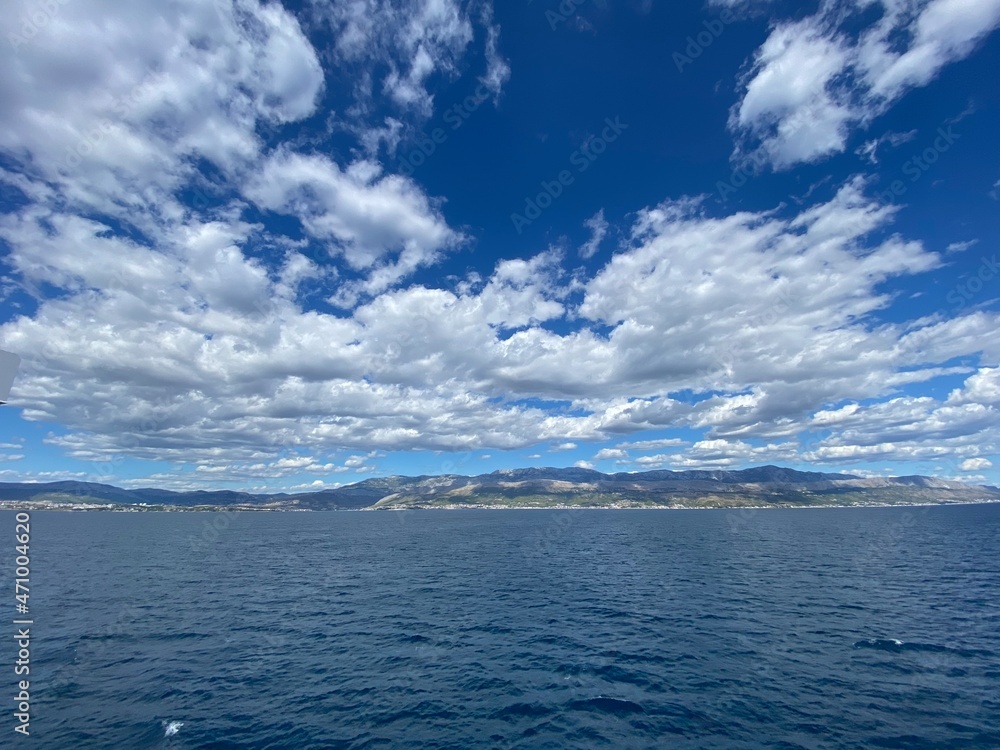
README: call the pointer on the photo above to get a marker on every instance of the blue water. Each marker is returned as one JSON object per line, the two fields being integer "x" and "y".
{"x": 822, "y": 628}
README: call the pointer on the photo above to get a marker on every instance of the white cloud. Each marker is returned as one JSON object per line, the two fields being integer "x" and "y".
{"x": 607, "y": 453}
{"x": 944, "y": 31}
{"x": 652, "y": 445}
{"x": 374, "y": 137}
{"x": 122, "y": 135}
{"x": 497, "y": 68}
{"x": 598, "y": 227}
{"x": 201, "y": 354}
{"x": 520, "y": 293}
{"x": 869, "y": 150}
{"x": 365, "y": 216}
{"x": 182, "y": 343}
{"x": 654, "y": 462}
{"x": 13, "y": 475}
{"x": 314, "y": 486}
{"x": 813, "y": 81}
{"x": 112, "y": 108}
{"x": 916, "y": 428}
{"x": 958, "y": 247}
{"x": 411, "y": 42}
{"x": 720, "y": 454}
{"x": 788, "y": 104}
{"x": 975, "y": 464}
{"x": 769, "y": 294}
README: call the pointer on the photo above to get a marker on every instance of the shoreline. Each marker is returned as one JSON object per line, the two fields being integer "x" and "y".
{"x": 243, "y": 509}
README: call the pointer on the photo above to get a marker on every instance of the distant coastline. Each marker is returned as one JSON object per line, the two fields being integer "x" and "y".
{"x": 528, "y": 489}
{"x": 8, "y": 505}
{"x": 57, "y": 508}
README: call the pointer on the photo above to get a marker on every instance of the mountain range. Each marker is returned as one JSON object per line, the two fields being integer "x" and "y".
{"x": 761, "y": 486}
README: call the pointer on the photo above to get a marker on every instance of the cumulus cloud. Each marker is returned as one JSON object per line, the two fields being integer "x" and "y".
{"x": 916, "y": 428}
{"x": 112, "y": 110}
{"x": 179, "y": 326}
{"x": 363, "y": 215}
{"x": 975, "y": 464}
{"x": 203, "y": 354}
{"x": 607, "y": 453}
{"x": 815, "y": 79}
{"x": 126, "y": 136}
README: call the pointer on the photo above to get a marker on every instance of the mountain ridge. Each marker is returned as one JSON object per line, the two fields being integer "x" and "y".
{"x": 529, "y": 487}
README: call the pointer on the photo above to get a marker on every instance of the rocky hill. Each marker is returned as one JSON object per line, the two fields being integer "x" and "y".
{"x": 528, "y": 488}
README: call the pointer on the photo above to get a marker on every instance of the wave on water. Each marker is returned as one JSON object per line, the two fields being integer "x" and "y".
{"x": 611, "y": 705}
{"x": 880, "y": 644}
{"x": 892, "y": 644}
{"x": 436, "y": 633}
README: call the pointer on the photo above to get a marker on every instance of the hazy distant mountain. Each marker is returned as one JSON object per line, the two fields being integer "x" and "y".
{"x": 759, "y": 486}
{"x": 27, "y": 491}
{"x": 531, "y": 487}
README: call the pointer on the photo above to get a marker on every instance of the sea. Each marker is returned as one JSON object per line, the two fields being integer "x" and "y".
{"x": 771, "y": 628}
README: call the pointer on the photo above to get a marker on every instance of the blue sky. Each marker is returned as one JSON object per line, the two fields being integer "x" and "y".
{"x": 267, "y": 246}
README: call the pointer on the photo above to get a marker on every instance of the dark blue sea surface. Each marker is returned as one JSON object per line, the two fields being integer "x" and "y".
{"x": 818, "y": 628}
